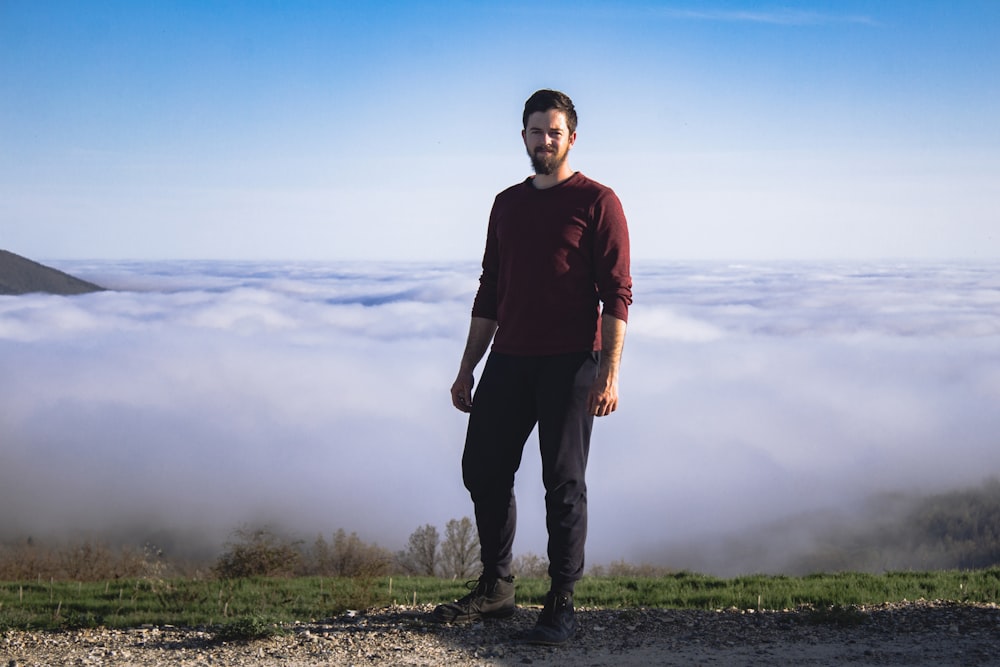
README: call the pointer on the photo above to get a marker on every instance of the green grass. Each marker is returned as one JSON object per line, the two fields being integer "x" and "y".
{"x": 686, "y": 590}
{"x": 255, "y": 607}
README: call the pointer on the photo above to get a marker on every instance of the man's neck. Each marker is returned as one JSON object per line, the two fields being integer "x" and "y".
{"x": 546, "y": 181}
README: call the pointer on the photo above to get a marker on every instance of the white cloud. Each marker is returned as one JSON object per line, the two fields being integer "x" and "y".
{"x": 206, "y": 394}
{"x": 662, "y": 323}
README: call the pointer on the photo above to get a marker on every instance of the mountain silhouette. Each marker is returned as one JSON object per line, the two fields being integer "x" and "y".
{"x": 23, "y": 276}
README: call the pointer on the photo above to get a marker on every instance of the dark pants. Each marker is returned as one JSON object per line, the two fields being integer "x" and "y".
{"x": 513, "y": 395}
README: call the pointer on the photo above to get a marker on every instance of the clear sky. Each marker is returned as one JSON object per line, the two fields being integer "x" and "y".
{"x": 382, "y": 130}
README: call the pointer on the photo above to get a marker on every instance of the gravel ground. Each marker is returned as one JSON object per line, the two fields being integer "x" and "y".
{"x": 914, "y": 634}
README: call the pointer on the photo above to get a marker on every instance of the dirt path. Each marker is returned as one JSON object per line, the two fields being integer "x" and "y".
{"x": 913, "y": 634}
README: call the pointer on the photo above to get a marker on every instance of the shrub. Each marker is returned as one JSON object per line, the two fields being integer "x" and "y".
{"x": 257, "y": 553}
{"x": 87, "y": 560}
{"x": 621, "y": 568}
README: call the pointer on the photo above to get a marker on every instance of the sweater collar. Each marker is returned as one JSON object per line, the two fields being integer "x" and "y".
{"x": 530, "y": 182}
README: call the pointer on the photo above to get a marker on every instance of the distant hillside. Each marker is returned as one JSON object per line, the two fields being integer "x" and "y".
{"x": 944, "y": 531}
{"x": 888, "y": 532}
{"x": 22, "y": 276}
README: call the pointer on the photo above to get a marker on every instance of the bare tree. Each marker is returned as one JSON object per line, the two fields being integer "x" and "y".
{"x": 347, "y": 556}
{"x": 460, "y": 549}
{"x": 421, "y": 554}
{"x": 531, "y": 565}
{"x": 320, "y": 558}
{"x": 351, "y": 557}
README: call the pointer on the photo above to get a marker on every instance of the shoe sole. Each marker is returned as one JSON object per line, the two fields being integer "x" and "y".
{"x": 499, "y": 614}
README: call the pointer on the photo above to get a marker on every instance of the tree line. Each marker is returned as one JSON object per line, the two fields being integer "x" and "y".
{"x": 945, "y": 531}
{"x": 261, "y": 552}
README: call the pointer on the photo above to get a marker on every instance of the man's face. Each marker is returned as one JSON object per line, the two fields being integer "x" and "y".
{"x": 548, "y": 140}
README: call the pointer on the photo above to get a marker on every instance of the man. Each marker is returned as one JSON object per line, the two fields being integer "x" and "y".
{"x": 557, "y": 248}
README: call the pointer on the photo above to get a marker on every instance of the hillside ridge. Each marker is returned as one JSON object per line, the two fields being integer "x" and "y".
{"x": 19, "y": 275}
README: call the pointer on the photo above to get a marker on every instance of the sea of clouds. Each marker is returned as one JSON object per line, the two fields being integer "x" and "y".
{"x": 197, "y": 397}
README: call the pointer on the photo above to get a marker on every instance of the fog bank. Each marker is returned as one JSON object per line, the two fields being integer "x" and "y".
{"x": 197, "y": 396}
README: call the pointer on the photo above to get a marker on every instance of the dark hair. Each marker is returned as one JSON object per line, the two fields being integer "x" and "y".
{"x": 544, "y": 100}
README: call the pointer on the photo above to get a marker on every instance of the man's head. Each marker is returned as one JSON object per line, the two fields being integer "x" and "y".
{"x": 543, "y": 100}
{"x": 549, "y": 132}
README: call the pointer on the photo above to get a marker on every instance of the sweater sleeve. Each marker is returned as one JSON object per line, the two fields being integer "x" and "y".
{"x": 486, "y": 302}
{"x": 612, "y": 256}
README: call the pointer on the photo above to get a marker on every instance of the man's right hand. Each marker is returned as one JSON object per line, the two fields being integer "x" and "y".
{"x": 481, "y": 332}
{"x": 461, "y": 391}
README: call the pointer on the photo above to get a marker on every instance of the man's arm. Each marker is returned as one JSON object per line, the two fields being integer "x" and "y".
{"x": 603, "y": 398}
{"x": 481, "y": 332}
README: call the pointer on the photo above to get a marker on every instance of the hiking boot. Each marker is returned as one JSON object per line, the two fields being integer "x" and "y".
{"x": 557, "y": 622}
{"x": 490, "y": 598}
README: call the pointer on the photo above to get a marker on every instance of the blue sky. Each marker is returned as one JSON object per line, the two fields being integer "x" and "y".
{"x": 382, "y": 130}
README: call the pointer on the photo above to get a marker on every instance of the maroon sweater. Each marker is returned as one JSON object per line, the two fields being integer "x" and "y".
{"x": 552, "y": 257}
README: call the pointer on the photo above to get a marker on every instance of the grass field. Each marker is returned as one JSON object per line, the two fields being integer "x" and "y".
{"x": 218, "y": 603}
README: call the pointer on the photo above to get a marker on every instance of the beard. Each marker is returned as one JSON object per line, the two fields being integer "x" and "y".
{"x": 547, "y": 163}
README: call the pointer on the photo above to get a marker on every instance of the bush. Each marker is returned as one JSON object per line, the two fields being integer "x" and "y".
{"x": 87, "y": 560}
{"x": 257, "y": 553}
{"x": 621, "y": 568}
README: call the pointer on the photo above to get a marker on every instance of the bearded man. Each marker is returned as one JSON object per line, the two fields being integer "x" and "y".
{"x": 553, "y": 298}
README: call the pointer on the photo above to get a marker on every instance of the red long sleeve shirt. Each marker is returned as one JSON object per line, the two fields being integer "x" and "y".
{"x": 552, "y": 257}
